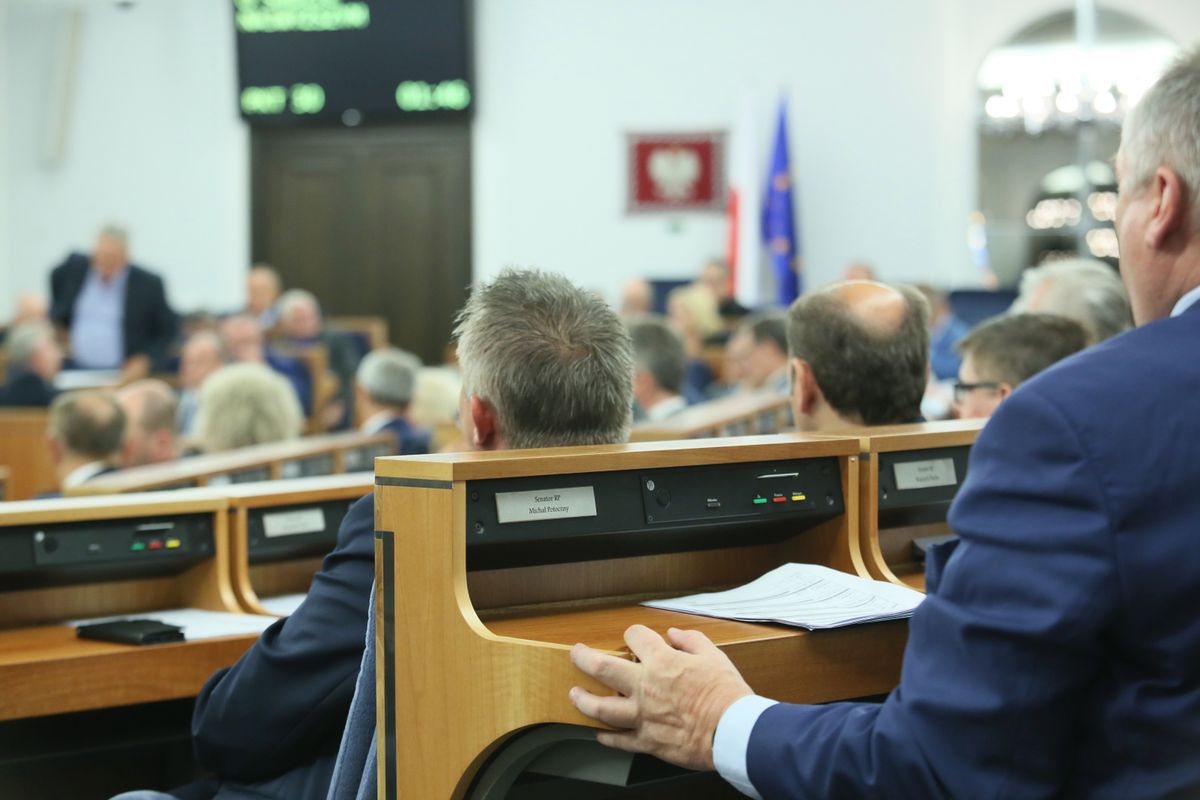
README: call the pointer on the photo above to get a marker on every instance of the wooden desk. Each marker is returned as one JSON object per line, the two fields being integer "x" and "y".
{"x": 736, "y": 415}
{"x": 292, "y": 573}
{"x": 891, "y": 517}
{"x": 45, "y": 669}
{"x": 471, "y": 657}
{"x": 329, "y": 454}
{"x": 23, "y": 451}
{"x": 4, "y": 477}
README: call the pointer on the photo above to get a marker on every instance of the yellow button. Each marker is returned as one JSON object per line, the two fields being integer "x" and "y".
{"x": 173, "y": 543}
{"x": 798, "y": 498}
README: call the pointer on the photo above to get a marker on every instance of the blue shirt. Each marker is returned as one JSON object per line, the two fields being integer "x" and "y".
{"x": 97, "y": 332}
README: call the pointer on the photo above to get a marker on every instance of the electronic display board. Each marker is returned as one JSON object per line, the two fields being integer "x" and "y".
{"x": 351, "y": 61}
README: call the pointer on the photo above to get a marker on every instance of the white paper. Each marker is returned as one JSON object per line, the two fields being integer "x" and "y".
{"x": 197, "y": 624}
{"x": 283, "y": 605}
{"x": 803, "y": 595}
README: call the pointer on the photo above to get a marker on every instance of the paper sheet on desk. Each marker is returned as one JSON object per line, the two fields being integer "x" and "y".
{"x": 804, "y": 595}
{"x": 198, "y": 624}
{"x": 282, "y": 605}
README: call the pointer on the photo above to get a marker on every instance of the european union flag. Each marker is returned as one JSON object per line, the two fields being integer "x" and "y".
{"x": 779, "y": 224}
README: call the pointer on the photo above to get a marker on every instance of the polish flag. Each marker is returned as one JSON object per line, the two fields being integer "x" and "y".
{"x": 748, "y": 277}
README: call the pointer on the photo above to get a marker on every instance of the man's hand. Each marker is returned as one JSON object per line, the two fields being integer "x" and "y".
{"x": 669, "y": 704}
{"x": 135, "y": 368}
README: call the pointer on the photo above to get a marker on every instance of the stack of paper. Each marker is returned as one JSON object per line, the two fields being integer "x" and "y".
{"x": 804, "y": 595}
{"x": 197, "y": 623}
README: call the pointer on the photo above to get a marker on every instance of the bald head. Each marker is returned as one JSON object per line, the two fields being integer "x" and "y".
{"x": 86, "y": 425}
{"x": 865, "y": 347}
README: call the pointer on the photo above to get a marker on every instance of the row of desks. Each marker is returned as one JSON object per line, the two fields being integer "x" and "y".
{"x": 507, "y": 607}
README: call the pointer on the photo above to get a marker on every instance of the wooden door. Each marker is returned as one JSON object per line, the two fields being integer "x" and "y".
{"x": 373, "y": 221}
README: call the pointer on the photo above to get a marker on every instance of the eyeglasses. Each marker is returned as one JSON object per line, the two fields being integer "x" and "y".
{"x": 961, "y": 389}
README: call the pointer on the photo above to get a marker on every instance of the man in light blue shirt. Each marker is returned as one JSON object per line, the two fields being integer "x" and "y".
{"x": 116, "y": 313}
{"x": 1057, "y": 653}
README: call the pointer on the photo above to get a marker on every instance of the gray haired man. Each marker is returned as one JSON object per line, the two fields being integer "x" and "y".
{"x": 544, "y": 364}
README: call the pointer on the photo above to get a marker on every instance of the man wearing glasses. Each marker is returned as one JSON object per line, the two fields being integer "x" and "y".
{"x": 1002, "y": 353}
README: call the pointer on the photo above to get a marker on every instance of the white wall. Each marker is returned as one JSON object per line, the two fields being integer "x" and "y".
{"x": 881, "y": 93}
{"x": 153, "y": 142}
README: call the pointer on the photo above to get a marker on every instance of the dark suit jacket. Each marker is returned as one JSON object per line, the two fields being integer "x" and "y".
{"x": 26, "y": 389}
{"x": 275, "y": 718}
{"x": 149, "y": 325}
{"x": 410, "y": 440}
{"x": 1058, "y": 654}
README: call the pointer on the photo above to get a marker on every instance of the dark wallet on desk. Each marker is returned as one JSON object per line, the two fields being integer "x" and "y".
{"x": 131, "y": 631}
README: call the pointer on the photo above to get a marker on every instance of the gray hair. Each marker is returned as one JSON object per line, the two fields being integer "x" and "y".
{"x": 24, "y": 340}
{"x": 1162, "y": 130}
{"x": 658, "y": 349}
{"x": 87, "y": 423}
{"x": 293, "y": 298}
{"x": 115, "y": 232}
{"x": 1085, "y": 290}
{"x": 158, "y": 406}
{"x": 244, "y": 404}
{"x": 555, "y": 362}
{"x": 388, "y": 376}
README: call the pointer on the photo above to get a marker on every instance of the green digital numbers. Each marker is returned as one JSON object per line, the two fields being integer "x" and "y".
{"x": 281, "y": 16}
{"x": 422, "y": 96}
{"x": 305, "y": 98}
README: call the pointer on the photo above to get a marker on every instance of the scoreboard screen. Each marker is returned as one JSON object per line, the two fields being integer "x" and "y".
{"x": 351, "y": 61}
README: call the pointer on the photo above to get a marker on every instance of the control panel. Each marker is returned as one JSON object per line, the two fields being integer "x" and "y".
{"x": 918, "y": 486}
{"x": 77, "y": 552}
{"x": 286, "y": 532}
{"x": 524, "y": 521}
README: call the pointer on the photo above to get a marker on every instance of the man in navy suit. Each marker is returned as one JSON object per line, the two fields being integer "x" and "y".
{"x": 117, "y": 313}
{"x": 270, "y": 726}
{"x": 383, "y": 392}
{"x": 1058, "y": 651}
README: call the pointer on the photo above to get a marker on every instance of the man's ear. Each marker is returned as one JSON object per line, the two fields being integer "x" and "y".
{"x": 1167, "y": 214}
{"x": 483, "y": 418}
{"x": 1003, "y": 390}
{"x": 55, "y": 449}
{"x": 806, "y": 394}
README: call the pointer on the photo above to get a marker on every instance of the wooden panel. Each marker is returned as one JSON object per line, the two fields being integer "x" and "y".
{"x": 736, "y": 415}
{"x": 47, "y": 670}
{"x": 606, "y": 458}
{"x": 23, "y": 451}
{"x": 200, "y": 469}
{"x": 468, "y": 676}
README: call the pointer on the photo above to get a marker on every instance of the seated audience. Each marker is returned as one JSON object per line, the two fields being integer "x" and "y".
{"x": 637, "y": 298}
{"x": 116, "y": 313}
{"x": 383, "y": 394}
{"x": 84, "y": 434}
{"x": 150, "y": 410}
{"x": 658, "y": 375}
{"x": 34, "y": 359}
{"x": 263, "y": 287}
{"x": 201, "y": 356}
{"x": 760, "y": 349}
{"x": 245, "y": 404}
{"x": 544, "y": 364}
{"x": 302, "y": 325}
{"x": 859, "y": 355}
{"x": 693, "y": 311}
{"x": 1004, "y": 352}
{"x": 1085, "y": 290}
{"x": 243, "y": 342}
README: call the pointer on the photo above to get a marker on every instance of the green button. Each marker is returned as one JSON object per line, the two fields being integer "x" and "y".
{"x": 758, "y": 501}
{"x": 137, "y": 546}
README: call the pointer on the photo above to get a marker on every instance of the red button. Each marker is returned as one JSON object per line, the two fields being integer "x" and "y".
{"x": 155, "y": 544}
{"x": 778, "y": 499}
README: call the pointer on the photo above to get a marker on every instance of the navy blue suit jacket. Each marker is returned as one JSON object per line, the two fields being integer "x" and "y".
{"x": 149, "y": 325}
{"x": 410, "y": 440}
{"x": 26, "y": 389}
{"x": 1058, "y": 655}
{"x": 275, "y": 718}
